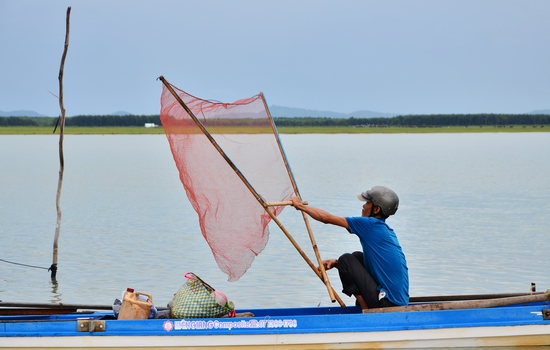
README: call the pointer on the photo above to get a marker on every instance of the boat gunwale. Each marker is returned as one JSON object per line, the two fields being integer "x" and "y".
{"x": 329, "y": 322}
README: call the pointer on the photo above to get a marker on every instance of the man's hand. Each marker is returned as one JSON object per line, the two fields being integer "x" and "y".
{"x": 330, "y": 263}
{"x": 296, "y": 202}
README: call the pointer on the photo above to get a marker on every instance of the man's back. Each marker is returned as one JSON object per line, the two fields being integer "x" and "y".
{"x": 383, "y": 257}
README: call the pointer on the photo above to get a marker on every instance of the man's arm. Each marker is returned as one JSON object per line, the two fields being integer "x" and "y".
{"x": 319, "y": 214}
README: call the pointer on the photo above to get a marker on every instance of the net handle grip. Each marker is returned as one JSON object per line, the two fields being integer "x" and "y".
{"x": 280, "y": 204}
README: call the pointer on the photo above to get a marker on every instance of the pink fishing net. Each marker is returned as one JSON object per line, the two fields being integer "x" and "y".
{"x": 233, "y": 222}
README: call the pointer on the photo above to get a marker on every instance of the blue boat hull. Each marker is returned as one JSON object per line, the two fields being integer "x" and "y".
{"x": 292, "y": 328}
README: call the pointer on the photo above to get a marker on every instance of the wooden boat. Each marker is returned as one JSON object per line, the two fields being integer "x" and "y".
{"x": 488, "y": 321}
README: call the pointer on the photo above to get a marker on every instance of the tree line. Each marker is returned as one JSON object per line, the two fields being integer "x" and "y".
{"x": 83, "y": 120}
{"x": 431, "y": 120}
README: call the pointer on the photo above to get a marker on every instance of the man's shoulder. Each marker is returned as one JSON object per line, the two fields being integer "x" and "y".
{"x": 360, "y": 221}
{"x": 365, "y": 223}
{"x": 365, "y": 219}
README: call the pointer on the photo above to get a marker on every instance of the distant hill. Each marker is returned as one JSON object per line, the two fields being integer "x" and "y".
{"x": 279, "y": 111}
{"x": 540, "y": 111}
{"x": 21, "y": 113}
{"x": 122, "y": 113}
{"x": 276, "y": 111}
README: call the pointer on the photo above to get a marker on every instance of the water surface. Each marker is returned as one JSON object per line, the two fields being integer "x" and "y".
{"x": 473, "y": 217}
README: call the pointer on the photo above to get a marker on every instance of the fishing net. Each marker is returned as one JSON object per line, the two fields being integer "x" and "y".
{"x": 233, "y": 222}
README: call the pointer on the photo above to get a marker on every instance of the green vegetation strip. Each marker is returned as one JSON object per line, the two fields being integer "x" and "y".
{"x": 132, "y": 130}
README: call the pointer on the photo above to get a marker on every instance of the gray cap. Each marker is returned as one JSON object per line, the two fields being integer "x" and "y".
{"x": 383, "y": 197}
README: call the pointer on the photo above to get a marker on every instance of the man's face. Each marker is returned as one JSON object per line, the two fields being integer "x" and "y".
{"x": 367, "y": 208}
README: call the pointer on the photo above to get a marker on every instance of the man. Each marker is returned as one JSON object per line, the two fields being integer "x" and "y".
{"x": 378, "y": 276}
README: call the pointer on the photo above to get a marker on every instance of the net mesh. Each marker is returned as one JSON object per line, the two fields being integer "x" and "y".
{"x": 233, "y": 222}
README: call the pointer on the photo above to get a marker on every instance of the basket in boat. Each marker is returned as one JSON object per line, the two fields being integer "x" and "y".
{"x": 194, "y": 300}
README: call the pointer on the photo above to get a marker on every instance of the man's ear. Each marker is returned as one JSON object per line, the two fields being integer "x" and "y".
{"x": 377, "y": 210}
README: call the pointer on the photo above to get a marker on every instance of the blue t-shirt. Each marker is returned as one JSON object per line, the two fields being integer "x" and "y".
{"x": 383, "y": 257}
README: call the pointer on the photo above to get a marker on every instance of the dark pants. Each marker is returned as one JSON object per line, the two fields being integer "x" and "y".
{"x": 356, "y": 280}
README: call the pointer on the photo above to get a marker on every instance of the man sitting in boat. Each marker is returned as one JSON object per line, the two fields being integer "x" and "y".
{"x": 378, "y": 276}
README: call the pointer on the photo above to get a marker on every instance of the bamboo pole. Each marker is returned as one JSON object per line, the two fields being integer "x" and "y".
{"x": 61, "y": 306}
{"x": 440, "y": 298}
{"x": 324, "y": 276}
{"x": 280, "y": 204}
{"x": 244, "y": 180}
{"x": 450, "y": 298}
{"x": 61, "y": 120}
{"x": 467, "y": 304}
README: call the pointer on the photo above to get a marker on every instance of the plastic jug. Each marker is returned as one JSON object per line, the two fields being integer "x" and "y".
{"x": 135, "y": 305}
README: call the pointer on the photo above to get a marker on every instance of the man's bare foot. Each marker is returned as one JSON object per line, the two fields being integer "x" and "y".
{"x": 361, "y": 301}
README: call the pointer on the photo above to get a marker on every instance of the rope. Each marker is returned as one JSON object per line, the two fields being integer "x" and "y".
{"x": 14, "y": 263}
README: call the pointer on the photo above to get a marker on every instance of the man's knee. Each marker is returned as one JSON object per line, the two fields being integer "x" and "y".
{"x": 349, "y": 258}
{"x": 345, "y": 259}
{"x": 345, "y": 256}
{"x": 358, "y": 256}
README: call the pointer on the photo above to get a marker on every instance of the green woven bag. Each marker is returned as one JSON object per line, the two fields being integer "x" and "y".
{"x": 194, "y": 300}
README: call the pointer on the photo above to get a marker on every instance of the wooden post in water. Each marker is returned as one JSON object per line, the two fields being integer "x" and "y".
{"x": 61, "y": 123}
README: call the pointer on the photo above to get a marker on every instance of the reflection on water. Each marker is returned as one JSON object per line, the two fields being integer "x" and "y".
{"x": 55, "y": 296}
{"x": 473, "y": 217}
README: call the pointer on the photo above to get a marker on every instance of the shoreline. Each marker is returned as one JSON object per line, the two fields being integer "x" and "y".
{"x": 139, "y": 130}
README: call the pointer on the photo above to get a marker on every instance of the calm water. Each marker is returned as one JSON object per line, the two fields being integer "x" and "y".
{"x": 473, "y": 218}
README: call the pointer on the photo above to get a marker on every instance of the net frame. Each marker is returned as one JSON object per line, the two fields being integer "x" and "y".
{"x": 320, "y": 272}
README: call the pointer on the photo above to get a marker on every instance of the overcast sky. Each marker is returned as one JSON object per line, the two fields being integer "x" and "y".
{"x": 408, "y": 57}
